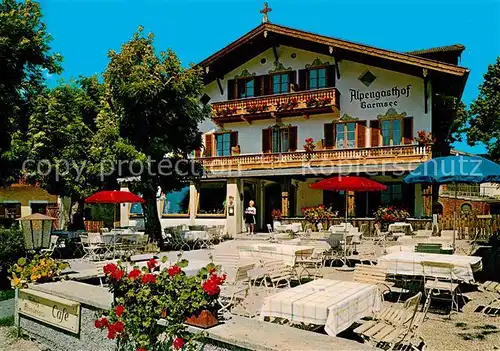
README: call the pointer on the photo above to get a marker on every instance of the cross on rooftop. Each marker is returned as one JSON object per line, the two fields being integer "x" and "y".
{"x": 265, "y": 11}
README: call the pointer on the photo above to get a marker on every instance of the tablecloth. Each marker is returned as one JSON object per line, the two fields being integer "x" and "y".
{"x": 195, "y": 235}
{"x": 410, "y": 263}
{"x": 286, "y": 253}
{"x": 332, "y": 303}
{"x": 400, "y": 227}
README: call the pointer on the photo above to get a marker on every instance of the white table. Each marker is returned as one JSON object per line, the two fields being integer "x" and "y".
{"x": 284, "y": 252}
{"x": 410, "y": 263}
{"x": 195, "y": 235}
{"x": 332, "y": 303}
{"x": 401, "y": 227}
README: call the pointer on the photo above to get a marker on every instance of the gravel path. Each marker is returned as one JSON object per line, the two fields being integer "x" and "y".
{"x": 9, "y": 342}
{"x": 7, "y": 308}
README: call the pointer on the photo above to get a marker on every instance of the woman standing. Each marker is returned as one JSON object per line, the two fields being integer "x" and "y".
{"x": 250, "y": 214}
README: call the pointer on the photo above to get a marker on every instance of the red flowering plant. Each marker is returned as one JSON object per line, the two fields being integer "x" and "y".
{"x": 157, "y": 291}
{"x": 312, "y": 102}
{"x": 316, "y": 214}
{"x": 423, "y": 138}
{"x": 390, "y": 214}
{"x": 288, "y": 105}
{"x": 309, "y": 147}
{"x": 277, "y": 215}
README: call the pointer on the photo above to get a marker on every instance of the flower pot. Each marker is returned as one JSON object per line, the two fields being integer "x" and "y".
{"x": 203, "y": 319}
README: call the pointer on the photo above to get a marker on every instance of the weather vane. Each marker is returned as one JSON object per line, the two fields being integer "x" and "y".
{"x": 265, "y": 11}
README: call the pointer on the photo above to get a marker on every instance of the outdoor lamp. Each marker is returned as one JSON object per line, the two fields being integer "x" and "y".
{"x": 36, "y": 231}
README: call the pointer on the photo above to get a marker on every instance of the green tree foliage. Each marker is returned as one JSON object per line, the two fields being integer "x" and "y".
{"x": 156, "y": 103}
{"x": 62, "y": 138}
{"x": 483, "y": 118}
{"x": 24, "y": 57}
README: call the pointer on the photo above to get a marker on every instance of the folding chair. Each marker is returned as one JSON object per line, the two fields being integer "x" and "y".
{"x": 310, "y": 264}
{"x": 393, "y": 325}
{"x": 278, "y": 273}
{"x": 439, "y": 289}
{"x": 54, "y": 244}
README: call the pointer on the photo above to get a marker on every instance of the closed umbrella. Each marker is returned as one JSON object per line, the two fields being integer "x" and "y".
{"x": 347, "y": 183}
{"x": 453, "y": 170}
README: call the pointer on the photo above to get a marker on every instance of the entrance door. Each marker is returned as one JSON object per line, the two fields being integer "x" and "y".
{"x": 272, "y": 198}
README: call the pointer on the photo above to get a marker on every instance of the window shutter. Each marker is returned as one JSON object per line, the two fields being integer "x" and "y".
{"x": 292, "y": 79}
{"x": 330, "y": 76}
{"x": 266, "y": 139}
{"x": 257, "y": 87}
{"x": 197, "y": 153}
{"x": 329, "y": 135}
{"x": 230, "y": 89}
{"x": 375, "y": 133}
{"x": 292, "y": 134}
{"x": 407, "y": 130}
{"x": 234, "y": 139}
{"x": 302, "y": 79}
{"x": 18, "y": 210}
{"x": 361, "y": 134}
{"x": 265, "y": 85}
{"x": 209, "y": 141}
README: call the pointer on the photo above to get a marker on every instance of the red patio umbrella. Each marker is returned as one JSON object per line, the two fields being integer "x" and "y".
{"x": 113, "y": 197}
{"x": 347, "y": 183}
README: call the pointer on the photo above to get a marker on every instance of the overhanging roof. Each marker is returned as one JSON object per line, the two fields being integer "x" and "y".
{"x": 268, "y": 35}
{"x": 459, "y": 48}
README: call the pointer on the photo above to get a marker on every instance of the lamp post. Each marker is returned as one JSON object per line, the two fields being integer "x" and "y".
{"x": 36, "y": 230}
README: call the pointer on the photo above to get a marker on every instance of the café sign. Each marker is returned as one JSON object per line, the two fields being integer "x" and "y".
{"x": 384, "y": 98}
{"x": 52, "y": 310}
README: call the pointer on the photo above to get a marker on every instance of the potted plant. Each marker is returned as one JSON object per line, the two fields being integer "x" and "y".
{"x": 319, "y": 214}
{"x": 143, "y": 296}
{"x": 309, "y": 147}
{"x": 386, "y": 215}
{"x": 277, "y": 215}
{"x": 40, "y": 268}
{"x": 424, "y": 139}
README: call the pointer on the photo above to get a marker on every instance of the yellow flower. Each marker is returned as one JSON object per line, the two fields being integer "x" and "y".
{"x": 16, "y": 282}
{"x": 33, "y": 277}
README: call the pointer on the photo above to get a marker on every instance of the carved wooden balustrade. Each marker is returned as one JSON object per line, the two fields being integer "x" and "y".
{"x": 297, "y": 103}
{"x": 336, "y": 157}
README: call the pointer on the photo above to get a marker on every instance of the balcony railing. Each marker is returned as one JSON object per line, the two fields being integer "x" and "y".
{"x": 322, "y": 158}
{"x": 304, "y": 102}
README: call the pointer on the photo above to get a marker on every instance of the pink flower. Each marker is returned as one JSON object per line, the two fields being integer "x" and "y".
{"x": 178, "y": 343}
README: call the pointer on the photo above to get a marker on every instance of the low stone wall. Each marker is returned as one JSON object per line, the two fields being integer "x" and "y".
{"x": 89, "y": 338}
{"x": 93, "y": 300}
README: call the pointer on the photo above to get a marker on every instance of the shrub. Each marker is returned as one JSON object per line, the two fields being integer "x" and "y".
{"x": 142, "y": 297}
{"x": 11, "y": 245}
{"x": 39, "y": 268}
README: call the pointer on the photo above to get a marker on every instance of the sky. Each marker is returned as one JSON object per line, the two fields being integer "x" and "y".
{"x": 84, "y": 30}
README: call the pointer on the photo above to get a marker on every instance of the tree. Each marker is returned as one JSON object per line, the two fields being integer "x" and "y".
{"x": 61, "y": 139}
{"x": 156, "y": 102}
{"x": 483, "y": 118}
{"x": 25, "y": 55}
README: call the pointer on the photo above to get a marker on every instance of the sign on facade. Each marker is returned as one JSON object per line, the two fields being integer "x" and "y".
{"x": 53, "y": 310}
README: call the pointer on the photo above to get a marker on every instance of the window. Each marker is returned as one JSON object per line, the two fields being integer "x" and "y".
{"x": 176, "y": 202}
{"x": 345, "y": 135}
{"x": 223, "y": 143}
{"x": 280, "y": 83}
{"x": 246, "y": 88}
{"x": 281, "y": 140}
{"x": 367, "y": 78}
{"x": 391, "y": 132}
{"x": 212, "y": 198}
{"x": 466, "y": 209}
{"x": 317, "y": 78}
{"x": 392, "y": 195}
{"x": 136, "y": 210}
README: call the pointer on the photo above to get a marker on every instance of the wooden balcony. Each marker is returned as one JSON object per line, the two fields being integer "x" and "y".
{"x": 401, "y": 154}
{"x": 303, "y": 103}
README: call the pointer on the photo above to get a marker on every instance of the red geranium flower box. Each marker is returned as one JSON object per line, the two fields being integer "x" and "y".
{"x": 204, "y": 319}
